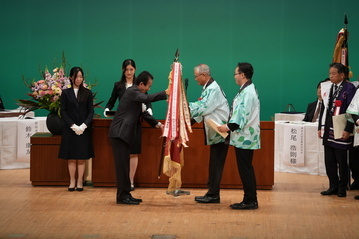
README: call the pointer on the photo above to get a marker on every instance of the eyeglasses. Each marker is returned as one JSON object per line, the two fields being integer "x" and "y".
{"x": 237, "y": 73}
{"x": 197, "y": 76}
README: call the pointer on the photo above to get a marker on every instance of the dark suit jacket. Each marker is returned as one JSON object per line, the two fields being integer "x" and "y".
{"x": 346, "y": 95}
{"x": 309, "y": 114}
{"x": 76, "y": 112}
{"x": 125, "y": 121}
{"x": 118, "y": 90}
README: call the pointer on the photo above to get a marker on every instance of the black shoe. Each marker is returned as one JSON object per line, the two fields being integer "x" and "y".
{"x": 342, "y": 193}
{"x": 356, "y": 197}
{"x": 71, "y": 189}
{"x": 127, "y": 201}
{"x": 79, "y": 189}
{"x": 196, "y": 198}
{"x": 354, "y": 185}
{"x": 136, "y": 199}
{"x": 245, "y": 206}
{"x": 330, "y": 191}
{"x": 208, "y": 199}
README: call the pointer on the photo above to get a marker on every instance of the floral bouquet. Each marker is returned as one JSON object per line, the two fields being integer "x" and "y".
{"x": 46, "y": 93}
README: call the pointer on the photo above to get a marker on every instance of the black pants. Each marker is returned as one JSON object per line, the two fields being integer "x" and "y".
{"x": 217, "y": 158}
{"x": 354, "y": 163}
{"x": 246, "y": 172}
{"x": 333, "y": 158}
{"x": 121, "y": 156}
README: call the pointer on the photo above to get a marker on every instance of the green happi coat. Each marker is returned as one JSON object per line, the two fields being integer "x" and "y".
{"x": 211, "y": 105}
{"x": 245, "y": 113}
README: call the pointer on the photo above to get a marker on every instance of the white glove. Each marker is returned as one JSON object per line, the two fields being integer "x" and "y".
{"x": 143, "y": 107}
{"x": 76, "y": 129}
{"x": 105, "y": 112}
{"x": 81, "y": 129}
{"x": 83, "y": 126}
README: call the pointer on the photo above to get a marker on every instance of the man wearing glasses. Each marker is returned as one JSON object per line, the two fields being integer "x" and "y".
{"x": 212, "y": 105}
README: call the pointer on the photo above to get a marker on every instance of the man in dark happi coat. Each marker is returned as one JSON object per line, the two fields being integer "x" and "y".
{"x": 337, "y": 96}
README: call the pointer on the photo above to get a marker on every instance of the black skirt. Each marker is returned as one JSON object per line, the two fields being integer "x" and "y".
{"x": 75, "y": 146}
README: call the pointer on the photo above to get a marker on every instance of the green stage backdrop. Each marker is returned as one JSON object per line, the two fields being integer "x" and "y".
{"x": 289, "y": 43}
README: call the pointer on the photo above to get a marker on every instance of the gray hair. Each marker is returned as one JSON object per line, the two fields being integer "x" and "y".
{"x": 203, "y": 69}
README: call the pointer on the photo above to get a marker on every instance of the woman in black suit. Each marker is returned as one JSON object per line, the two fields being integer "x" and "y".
{"x": 77, "y": 113}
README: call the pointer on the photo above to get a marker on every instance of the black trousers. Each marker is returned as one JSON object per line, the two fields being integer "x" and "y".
{"x": 246, "y": 172}
{"x": 354, "y": 163}
{"x": 333, "y": 158}
{"x": 121, "y": 156}
{"x": 217, "y": 158}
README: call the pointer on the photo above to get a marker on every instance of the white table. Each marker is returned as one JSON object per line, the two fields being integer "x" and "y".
{"x": 312, "y": 148}
{"x": 288, "y": 117}
{"x": 15, "y": 140}
{"x": 15, "y": 113}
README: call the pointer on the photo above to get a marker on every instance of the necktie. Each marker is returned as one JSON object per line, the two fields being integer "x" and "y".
{"x": 316, "y": 114}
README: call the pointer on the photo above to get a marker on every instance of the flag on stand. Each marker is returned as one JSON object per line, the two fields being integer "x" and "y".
{"x": 175, "y": 129}
{"x": 340, "y": 54}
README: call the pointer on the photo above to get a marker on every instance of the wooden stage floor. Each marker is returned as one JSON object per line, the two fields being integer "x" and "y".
{"x": 293, "y": 209}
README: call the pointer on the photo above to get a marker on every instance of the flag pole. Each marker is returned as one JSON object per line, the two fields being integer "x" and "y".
{"x": 160, "y": 166}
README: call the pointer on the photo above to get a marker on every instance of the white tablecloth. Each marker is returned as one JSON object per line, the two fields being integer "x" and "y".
{"x": 15, "y": 140}
{"x": 312, "y": 148}
{"x": 288, "y": 117}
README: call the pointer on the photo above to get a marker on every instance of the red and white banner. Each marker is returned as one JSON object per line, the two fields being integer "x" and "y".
{"x": 175, "y": 129}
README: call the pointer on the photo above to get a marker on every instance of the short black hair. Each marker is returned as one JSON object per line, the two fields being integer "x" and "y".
{"x": 246, "y": 68}
{"x": 340, "y": 67}
{"x": 143, "y": 77}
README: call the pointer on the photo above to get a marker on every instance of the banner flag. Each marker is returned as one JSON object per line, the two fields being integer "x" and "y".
{"x": 341, "y": 53}
{"x": 175, "y": 129}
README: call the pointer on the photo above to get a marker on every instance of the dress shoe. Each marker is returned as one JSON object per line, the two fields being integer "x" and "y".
{"x": 208, "y": 199}
{"x": 127, "y": 201}
{"x": 354, "y": 185}
{"x": 245, "y": 206}
{"x": 136, "y": 199}
{"x": 330, "y": 191}
{"x": 342, "y": 193}
{"x": 79, "y": 189}
{"x": 71, "y": 189}
{"x": 356, "y": 197}
{"x": 196, "y": 198}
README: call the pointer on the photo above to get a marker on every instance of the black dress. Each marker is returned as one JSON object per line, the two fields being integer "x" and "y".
{"x": 75, "y": 111}
{"x": 118, "y": 90}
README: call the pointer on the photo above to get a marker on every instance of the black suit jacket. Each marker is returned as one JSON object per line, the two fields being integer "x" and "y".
{"x": 74, "y": 111}
{"x": 309, "y": 114}
{"x": 125, "y": 121}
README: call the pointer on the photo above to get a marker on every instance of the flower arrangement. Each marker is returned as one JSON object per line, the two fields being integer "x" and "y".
{"x": 46, "y": 93}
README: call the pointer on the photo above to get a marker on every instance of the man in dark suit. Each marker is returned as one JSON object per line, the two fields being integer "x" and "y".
{"x": 338, "y": 98}
{"x": 313, "y": 109}
{"x": 122, "y": 132}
